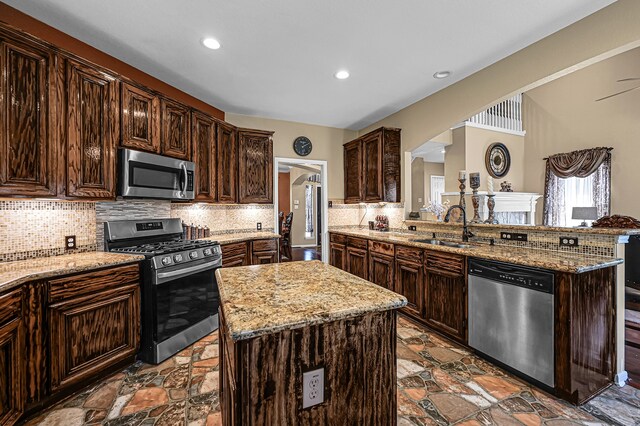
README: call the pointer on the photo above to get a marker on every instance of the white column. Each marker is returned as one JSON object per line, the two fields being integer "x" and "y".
{"x": 621, "y": 376}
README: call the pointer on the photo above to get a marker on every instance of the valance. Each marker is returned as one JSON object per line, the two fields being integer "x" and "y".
{"x": 578, "y": 163}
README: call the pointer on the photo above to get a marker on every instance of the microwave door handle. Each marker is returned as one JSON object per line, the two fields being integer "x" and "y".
{"x": 183, "y": 183}
{"x": 162, "y": 277}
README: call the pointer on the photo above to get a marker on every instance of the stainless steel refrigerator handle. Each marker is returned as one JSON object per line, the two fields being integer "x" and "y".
{"x": 164, "y": 276}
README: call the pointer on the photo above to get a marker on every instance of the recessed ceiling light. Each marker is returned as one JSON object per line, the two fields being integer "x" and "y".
{"x": 211, "y": 43}
{"x": 444, "y": 151}
{"x": 342, "y": 74}
{"x": 442, "y": 74}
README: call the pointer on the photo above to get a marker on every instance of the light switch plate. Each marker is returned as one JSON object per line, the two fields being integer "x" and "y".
{"x": 312, "y": 388}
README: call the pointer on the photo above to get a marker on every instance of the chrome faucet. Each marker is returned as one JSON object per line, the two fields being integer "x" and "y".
{"x": 466, "y": 234}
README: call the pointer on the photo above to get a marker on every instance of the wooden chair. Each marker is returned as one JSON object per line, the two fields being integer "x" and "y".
{"x": 280, "y": 220}
{"x": 285, "y": 240}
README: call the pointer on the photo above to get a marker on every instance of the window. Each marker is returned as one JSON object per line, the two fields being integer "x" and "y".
{"x": 578, "y": 192}
{"x": 308, "y": 200}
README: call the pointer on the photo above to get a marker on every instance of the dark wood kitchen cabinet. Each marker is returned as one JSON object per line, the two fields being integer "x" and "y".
{"x": 446, "y": 294}
{"x": 12, "y": 358}
{"x": 372, "y": 167}
{"x": 357, "y": 257}
{"x": 264, "y": 251}
{"x": 203, "y": 133}
{"x": 27, "y": 113}
{"x": 409, "y": 282}
{"x": 93, "y": 127}
{"x": 175, "y": 139}
{"x": 235, "y": 254}
{"x": 381, "y": 263}
{"x": 140, "y": 119}
{"x": 227, "y": 163}
{"x": 94, "y": 322}
{"x": 338, "y": 251}
{"x": 255, "y": 166}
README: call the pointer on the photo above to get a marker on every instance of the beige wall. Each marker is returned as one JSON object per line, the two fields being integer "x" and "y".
{"x": 611, "y": 30}
{"x": 431, "y": 169}
{"x": 327, "y": 144}
{"x": 563, "y": 116}
{"x": 455, "y": 159}
{"x": 417, "y": 183}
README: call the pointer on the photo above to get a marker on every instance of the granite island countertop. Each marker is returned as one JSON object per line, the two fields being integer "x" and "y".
{"x": 264, "y": 299}
{"x": 18, "y": 272}
{"x": 242, "y": 236}
{"x": 545, "y": 259}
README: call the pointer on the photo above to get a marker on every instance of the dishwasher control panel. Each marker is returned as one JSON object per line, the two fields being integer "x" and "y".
{"x": 521, "y": 276}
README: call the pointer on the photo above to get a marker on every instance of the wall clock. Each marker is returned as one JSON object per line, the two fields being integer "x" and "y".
{"x": 497, "y": 160}
{"x": 302, "y": 146}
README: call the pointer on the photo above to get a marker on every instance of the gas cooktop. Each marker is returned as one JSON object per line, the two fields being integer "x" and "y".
{"x": 164, "y": 247}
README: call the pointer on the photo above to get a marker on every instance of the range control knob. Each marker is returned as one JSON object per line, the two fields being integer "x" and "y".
{"x": 193, "y": 255}
{"x": 166, "y": 260}
{"x": 207, "y": 252}
{"x": 177, "y": 258}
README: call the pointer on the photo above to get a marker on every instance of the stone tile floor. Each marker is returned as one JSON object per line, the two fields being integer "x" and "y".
{"x": 439, "y": 383}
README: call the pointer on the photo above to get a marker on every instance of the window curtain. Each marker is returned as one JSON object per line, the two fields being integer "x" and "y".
{"x": 581, "y": 164}
{"x": 308, "y": 208}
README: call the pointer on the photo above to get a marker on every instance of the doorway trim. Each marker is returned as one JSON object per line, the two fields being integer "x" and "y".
{"x": 324, "y": 178}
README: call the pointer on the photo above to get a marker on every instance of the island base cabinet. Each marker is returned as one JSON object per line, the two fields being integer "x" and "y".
{"x": 261, "y": 378}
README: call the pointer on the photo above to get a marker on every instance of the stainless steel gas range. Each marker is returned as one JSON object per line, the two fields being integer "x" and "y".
{"x": 179, "y": 291}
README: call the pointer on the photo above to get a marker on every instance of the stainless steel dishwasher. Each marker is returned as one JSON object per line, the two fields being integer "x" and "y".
{"x": 511, "y": 317}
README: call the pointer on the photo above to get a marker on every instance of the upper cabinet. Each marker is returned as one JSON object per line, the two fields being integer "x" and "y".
{"x": 203, "y": 135}
{"x": 227, "y": 163}
{"x": 27, "y": 95}
{"x": 140, "y": 119}
{"x": 175, "y": 129}
{"x": 372, "y": 167}
{"x": 255, "y": 167}
{"x": 93, "y": 127}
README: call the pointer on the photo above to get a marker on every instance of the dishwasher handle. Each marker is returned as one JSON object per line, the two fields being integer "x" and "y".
{"x": 522, "y": 276}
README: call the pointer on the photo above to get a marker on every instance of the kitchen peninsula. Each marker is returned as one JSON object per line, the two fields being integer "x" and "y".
{"x": 280, "y": 321}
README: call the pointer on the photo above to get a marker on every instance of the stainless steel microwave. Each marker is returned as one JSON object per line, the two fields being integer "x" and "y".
{"x": 144, "y": 175}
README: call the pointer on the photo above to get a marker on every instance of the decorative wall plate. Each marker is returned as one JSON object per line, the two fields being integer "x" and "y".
{"x": 302, "y": 146}
{"x": 497, "y": 160}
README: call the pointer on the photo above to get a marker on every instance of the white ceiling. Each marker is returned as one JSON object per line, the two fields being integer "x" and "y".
{"x": 278, "y": 57}
{"x": 430, "y": 151}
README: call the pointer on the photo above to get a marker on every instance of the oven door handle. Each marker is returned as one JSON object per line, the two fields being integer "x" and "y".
{"x": 162, "y": 277}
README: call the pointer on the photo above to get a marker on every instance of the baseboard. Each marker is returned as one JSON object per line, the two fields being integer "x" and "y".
{"x": 305, "y": 246}
{"x": 621, "y": 378}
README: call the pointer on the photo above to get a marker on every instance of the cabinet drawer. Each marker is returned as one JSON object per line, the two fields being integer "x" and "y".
{"x": 237, "y": 260}
{"x": 92, "y": 282}
{"x": 10, "y": 306}
{"x": 265, "y": 245}
{"x": 381, "y": 247}
{"x": 338, "y": 238}
{"x": 235, "y": 249}
{"x": 357, "y": 242}
{"x": 412, "y": 254}
{"x": 445, "y": 262}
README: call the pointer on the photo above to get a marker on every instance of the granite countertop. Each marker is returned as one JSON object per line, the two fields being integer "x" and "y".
{"x": 546, "y": 259}
{"x": 15, "y": 273}
{"x": 264, "y": 299}
{"x": 241, "y": 236}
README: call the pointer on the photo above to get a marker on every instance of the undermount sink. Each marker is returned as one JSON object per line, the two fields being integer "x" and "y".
{"x": 443, "y": 243}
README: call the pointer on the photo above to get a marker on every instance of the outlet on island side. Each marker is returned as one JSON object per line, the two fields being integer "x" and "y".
{"x": 259, "y": 226}
{"x": 70, "y": 242}
{"x": 312, "y": 388}
{"x": 569, "y": 241}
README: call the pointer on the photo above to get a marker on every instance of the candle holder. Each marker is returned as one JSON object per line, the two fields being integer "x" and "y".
{"x": 491, "y": 205}
{"x": 474, "y": 182}
{"x": 462, "y": 192}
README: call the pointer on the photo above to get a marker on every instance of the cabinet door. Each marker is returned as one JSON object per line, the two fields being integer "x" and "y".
{"x": 175, "y": 130}
{"x": 264, "y": 257}
{"x": 338, "y": 255}
{"x": 203, "y": 134}
{"x": 232, "y": 261}
{"x": 235, "y": 254}
{"x": 353, "y": 172}
{"x": 357, "y": 262}
{"x": 381, "y": 270}
{"x": 26, "y": 146}
{"x": 111, "y": 319}
{"x": 92, "y": 131}
{"x": 372, "y": 186}
{"x": 445, "y": 302}
{"x": 255, "y": 167}
{"x": 12, "y": 372}
{"x": 409, "y": 283}
{"x": 140, "y": 119}
{"x": 227, "y": 163}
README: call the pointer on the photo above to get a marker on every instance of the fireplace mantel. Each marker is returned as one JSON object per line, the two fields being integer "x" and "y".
{"x": 510, "y": 207}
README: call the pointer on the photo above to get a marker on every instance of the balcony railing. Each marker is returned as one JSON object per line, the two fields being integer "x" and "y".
{"x": 506, "y": 115}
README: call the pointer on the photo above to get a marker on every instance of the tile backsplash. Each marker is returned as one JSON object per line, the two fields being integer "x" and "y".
{"x": 224, "y": 218}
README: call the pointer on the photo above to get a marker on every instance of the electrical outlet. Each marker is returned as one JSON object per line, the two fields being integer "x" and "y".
{"x": 412, "y": 228}
{"x": 70, "y": 242}
{"x": 259, "y": 226}
{"x": 513, "y": 236}
{"x": 312, "y": 388}
{"x": 330, "y": 204}
{"x": 568, "y": 241}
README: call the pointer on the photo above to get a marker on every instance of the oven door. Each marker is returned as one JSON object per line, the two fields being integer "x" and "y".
{"x": 144, "y": 175}
{"x": 186, "y": 303}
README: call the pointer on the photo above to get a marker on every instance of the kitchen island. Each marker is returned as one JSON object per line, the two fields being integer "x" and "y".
{"x": 280, "y": 321}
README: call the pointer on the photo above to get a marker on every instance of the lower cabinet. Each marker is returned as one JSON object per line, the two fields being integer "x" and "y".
{"x": 257, "y": 252}
{"x": 264, "y": 251}
{"x": 235, "y": 254}
{"x": 409, "y": 283}
{"x": 338, "y": 255}
{"x": 381, "y": 270}
{"x": 357, "y": 262}
{"x": 445, "y": 294}
{"x": 12, "y": 371}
